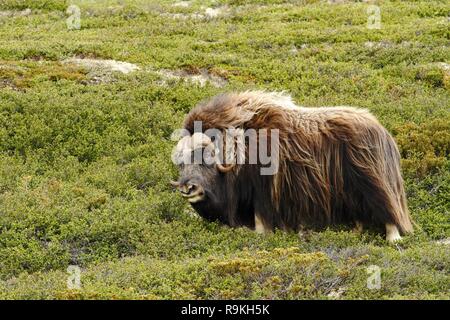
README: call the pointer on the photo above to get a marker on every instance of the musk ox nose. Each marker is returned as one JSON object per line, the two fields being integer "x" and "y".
{"x": 192, "y": 191}
{"x": 188, "y": 188}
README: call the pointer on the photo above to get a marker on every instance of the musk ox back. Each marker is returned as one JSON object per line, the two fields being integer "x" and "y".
{"x": 332, "y": 165}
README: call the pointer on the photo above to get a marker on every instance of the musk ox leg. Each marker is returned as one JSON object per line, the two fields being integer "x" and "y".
{"x": 358, "y": 227}
{"x": 392, "y": 233}
{"x": 374, "y": 177}
{"x": 259, "y": 226}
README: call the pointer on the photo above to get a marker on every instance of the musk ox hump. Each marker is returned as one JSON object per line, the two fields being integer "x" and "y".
{"x": 236, "y": 109}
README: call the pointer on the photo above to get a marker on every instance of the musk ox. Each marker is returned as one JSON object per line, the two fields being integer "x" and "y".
{"x": 334, "y": 165}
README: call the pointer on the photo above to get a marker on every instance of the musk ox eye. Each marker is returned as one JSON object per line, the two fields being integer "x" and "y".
{"x": 209, "y": 156}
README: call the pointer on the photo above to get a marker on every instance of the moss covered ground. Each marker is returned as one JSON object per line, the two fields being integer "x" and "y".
{"x": 85, "y": 154}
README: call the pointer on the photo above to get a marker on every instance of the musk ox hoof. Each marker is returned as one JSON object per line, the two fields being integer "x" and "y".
{"x": 392, "y": 233}
{"x": 358, "y": 227}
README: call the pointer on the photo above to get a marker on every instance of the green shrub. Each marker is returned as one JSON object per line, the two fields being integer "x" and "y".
{"x": 34, "y": 4}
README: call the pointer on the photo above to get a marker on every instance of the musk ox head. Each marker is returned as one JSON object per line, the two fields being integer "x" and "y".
{"x": 203, "y": 179}
{"x": 221, "y": 172}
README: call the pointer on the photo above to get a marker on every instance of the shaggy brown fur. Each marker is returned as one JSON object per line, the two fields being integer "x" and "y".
{"x": 337, "y": 165}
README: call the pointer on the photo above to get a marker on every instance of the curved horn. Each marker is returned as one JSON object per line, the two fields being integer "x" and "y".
{"x": 223, "y": 168}
{"x": 199, "y": 139}
{"x": 174, "y": 184}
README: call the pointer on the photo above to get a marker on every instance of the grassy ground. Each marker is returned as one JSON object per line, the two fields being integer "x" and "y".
{"x": 85, "y": 159}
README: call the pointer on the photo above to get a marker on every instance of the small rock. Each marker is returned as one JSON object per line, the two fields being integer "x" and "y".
{"x": 201, "y": 78}
{"x": 6, "y": 14}
{"x": 213, "y": 13}
{"x": 444, "y": 66}
{"x": 183, "y": 4}
{"x": 10, "y": 13}
{"x": 293, "y": 50}
{"x": 336, "y": 294}
{"x": 444, "y": 241}
{"x": 209, "y": 13}
{"x": 101, "y": 71}
{"x": 378, "y": 45}
{"x": 25, "y": 12}
{"x": 108, "y": 65}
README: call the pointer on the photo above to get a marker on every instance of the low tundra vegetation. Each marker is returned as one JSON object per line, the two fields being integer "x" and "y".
{"x": 85, "y": 156}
